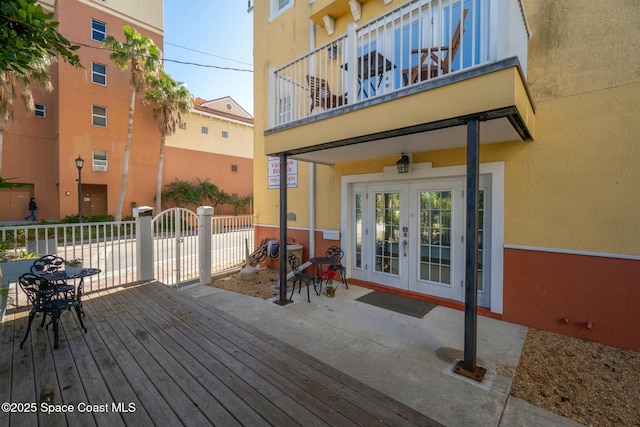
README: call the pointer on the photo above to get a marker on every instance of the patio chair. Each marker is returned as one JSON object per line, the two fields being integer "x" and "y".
{"x": 321, "y": 95}
{"x": 299, "y": 277}
{"x": 336, "y": 253}
{"x": 50, "y": 264}
{"x": 42, "y": 297}
{"x": 431, "y": 64}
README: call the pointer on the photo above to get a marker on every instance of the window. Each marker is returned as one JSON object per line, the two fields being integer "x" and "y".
{"x": 205, "y": 130}
{"x": 182, "y": 126}
{"x": 279, "y": 6}
{"x": 99, "y": 73}
{"x": 100, "y": 161}
{"x": 39, "y": 110}
{"x": 225, "y": 134}
{"x": 234, "y": 168}
{"x": 99, "y": 116}
{"x": 98, "y": 30}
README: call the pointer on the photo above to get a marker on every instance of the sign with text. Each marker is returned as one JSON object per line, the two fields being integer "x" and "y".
{"x": 274, "y": 173}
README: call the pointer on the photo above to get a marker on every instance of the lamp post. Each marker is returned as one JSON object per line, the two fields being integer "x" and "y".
{"x": 79, "y": 165}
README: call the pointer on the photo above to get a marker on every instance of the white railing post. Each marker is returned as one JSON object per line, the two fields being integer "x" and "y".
{"x": 144, "y": 242}
{"x": 352, "y": 73}
{"x": 204, "y": 246}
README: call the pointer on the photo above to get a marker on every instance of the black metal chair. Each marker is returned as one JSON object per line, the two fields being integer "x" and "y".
{"x": 299, "y": 277}
{"x": 42, "y": 296}
{"x": 336, "y": 253}
{"x": 50, "y": 264}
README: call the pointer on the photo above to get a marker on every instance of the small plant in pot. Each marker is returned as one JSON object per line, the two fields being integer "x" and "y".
{"x": 329, "y": 275}
{"x": 73, "y": 266}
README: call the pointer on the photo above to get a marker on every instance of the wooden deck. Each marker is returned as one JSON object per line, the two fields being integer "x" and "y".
{"x": 153, "y": 356}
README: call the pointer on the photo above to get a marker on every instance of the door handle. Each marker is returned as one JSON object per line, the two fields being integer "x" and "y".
{"x": 404, "y": 245}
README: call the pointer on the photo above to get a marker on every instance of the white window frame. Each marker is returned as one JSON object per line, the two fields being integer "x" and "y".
{"x": 100, "y": 164}
{"x": 205, "y": 130}
{"x": 225, "y": 134}
{"x": 40, "y": 110}
{"x": 98, "y": 31}
{"x": 95, "y": 73}
{"x": 182, "y": 125}
{"x": 277, "y": 7}
{"x": 95, "y": 116}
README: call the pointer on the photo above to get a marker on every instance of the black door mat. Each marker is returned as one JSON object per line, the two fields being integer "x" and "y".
{"x": 397, "y": 303}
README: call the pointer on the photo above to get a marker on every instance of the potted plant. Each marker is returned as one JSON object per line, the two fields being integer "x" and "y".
{"x": 73, "y": 266}
{"x": 329, "y": 275}
{"x": 13, "y": 264}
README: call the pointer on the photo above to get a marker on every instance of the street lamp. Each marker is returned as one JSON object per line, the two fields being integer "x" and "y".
{"x": 79, "y": 165}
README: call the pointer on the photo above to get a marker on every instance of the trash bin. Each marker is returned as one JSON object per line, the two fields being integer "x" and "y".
{"x": 273, "y": 249}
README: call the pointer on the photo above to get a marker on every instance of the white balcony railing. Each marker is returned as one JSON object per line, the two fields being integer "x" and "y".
{"x": 418, "y": 41}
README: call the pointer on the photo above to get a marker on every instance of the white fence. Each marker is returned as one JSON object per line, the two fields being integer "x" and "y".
{"x": 123, "y": 254}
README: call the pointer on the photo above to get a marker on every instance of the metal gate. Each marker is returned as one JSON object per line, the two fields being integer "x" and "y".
{"x": 175, "y": 246}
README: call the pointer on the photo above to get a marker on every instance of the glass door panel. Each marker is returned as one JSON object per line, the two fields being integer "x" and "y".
{"x": 435, "y": 236}
{"x": 387, "y": 223}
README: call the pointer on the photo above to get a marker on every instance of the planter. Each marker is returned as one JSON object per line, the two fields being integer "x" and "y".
{"x": 73, "y": 270}
{"x": 10, "y": 272}
{"x": 42, "y": 246}
{"x": 331, "y": 291}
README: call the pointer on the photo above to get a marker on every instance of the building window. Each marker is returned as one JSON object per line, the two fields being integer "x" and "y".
{"x": 205, "y": 130}
{"x": 234, "y": 168}
{"x": 98, "y": 30}
{"x": 99, "y": 116}
{"x": 39, "y": 110}
{"x": 100, "y": 161}
{"x": 182, "y": 126}
{"x": 225, "y": 134}
{"x": 99, "y": 73}
{"x": 279, "y": 6}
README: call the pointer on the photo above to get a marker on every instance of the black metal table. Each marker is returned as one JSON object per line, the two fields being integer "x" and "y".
{"x": 62, "y": 276}
{"x": 372, "y": 64}
{"x": 319, "y": 261}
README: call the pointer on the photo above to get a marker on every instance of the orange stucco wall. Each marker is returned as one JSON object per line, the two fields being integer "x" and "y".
{"x": 190, "y": 165}
{"x": 588, "y": 297}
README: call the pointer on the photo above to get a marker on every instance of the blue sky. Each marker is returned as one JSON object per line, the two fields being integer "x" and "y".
{"x": 214, "y": 32}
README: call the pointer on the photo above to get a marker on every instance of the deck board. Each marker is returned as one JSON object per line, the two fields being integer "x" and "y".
{"x": 179, "y": 362}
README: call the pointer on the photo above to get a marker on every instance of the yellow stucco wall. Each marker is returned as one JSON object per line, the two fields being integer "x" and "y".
{"x": 239, "y": 142}
{"x": 144, "y": 13}
{"x": 573, "y": 187}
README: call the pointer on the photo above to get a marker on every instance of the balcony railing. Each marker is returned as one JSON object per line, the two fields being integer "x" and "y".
{"x": 418, "y": 41}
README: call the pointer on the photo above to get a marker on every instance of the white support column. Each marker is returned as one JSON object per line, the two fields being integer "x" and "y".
{"x": 205, "y": 236}
{"x": 144, "y": 242}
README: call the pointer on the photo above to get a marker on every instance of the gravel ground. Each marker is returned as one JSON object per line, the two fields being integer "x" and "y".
{"x": 591, "y": 383}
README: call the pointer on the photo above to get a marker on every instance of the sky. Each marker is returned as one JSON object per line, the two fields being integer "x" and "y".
{"x": 216, "y": 33}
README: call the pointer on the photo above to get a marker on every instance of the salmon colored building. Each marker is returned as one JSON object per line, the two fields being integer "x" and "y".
{"x": 86, "y": 115}
{"x": 394, "y": 116}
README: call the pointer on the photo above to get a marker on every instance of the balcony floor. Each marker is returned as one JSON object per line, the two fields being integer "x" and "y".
{"x": 179, "y": 362}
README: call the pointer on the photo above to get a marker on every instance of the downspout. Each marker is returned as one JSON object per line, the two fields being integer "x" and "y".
{"x": 312, "y": 168}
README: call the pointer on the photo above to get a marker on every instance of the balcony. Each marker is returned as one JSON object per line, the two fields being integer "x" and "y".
{"x": 437, "y": 55}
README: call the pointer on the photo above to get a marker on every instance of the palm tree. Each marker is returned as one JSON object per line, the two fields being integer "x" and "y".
{"x": 170, "y": 101}
{"x": 211, "y": 194}
{"x": 142, "y": 56}
{"x": 181, "y": 193}
{"x": 37, "y": 74}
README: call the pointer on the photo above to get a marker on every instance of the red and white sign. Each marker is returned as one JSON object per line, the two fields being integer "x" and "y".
{"x": 274, "y": 173}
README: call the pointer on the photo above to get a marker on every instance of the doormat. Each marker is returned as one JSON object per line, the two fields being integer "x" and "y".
{"x": 409, "y": 306}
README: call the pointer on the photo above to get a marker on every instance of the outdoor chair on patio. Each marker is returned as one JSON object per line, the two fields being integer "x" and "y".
{"x": 336, "y": 253}
{"x": 49, "y": 264}
{"x": 321, "y": 95}
{"x": 431, "y": 64}
{"x": 42, "y": 297}
{"x": 299, "y": 277}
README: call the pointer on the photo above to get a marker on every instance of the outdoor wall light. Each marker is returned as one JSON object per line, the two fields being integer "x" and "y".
{"x": 332, "y": 51}
{"x": 79, "y": 165}
{"x": 403, "y": 163}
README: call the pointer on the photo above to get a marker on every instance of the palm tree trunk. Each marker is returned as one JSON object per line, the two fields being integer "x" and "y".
{"x": 125, "y": 160}
{"x": 159, "y": 179}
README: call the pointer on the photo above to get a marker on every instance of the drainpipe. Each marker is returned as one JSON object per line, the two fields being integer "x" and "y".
{"x": 312, "y": 168}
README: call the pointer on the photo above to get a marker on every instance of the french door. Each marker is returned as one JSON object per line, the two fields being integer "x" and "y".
{"x": 411, "y": 236}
